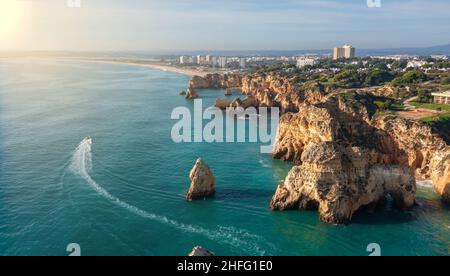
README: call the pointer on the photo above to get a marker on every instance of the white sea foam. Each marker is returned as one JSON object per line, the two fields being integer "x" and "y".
{"x": 264, "y": 163}
{"x": 425, "y": 184}
{"x": 81, "y": 165}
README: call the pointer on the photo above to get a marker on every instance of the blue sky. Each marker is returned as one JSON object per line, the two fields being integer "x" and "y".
{"x": 227, "y": 24}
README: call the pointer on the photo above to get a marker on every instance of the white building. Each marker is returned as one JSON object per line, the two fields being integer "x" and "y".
{"x": 223, "y": 61}
{"x": 346, "y": 51}
{"x": 416, "y": 63}
{"x": 441, "y": 97}
{"x": 201, "y": 60}
{"x": 242, "y": 62}
{"x": 209, "y": 59}
{"x": 303, "y": 61}
{"x": 184, "y": 60}
{"x": 440, "y": 57}
{"x": 214, "y": 61}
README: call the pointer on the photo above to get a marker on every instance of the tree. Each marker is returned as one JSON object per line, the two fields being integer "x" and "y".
{"x": 445, "y": 81}
{"x": 347, "y": 79}
{"x": 423, "y": 95}
{"x": 378, "y": 77}
{"x": 399, "y": 64}
{"x": 383, "y": 105}
{"x": 411, "y": 77}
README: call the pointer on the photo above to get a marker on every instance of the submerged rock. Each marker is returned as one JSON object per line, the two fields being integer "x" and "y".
{"x": 199, "y": 251}
{"x": 202, "y": 182}
{"x": 338, "y": 181}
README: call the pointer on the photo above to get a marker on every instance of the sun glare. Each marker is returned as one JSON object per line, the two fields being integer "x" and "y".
{"x": 10, "y": 13}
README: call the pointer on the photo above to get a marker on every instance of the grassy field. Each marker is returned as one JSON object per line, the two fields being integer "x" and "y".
{"x": 396, "y": 107}
{"x": 393, "y": 110}
{"x": 443, "y": 119}
{"x": 440, "y": 124}
{"x": 443, "y": 107}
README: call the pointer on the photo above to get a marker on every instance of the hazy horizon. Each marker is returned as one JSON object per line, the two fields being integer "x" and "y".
{"x": 202, "y": 25}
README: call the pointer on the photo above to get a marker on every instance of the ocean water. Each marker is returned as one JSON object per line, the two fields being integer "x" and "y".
{"x": 123, "y": 195}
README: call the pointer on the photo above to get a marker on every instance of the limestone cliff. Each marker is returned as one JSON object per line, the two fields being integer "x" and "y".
{"x": 338, "y": 181}
{"x": 310, "y": 116}
{"x": 333, "y": 120}
{"x": 265, "y": 90}
{"x": 275, "y": 90}
{"x": 312, "y": 125}
{"x": 420, "y": 149}
{"x": 387, "y": 141}
{"x": 391, "y": 91}
{"x": 216, "y": 81}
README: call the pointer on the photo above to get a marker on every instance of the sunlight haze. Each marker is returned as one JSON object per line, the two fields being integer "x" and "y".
{"x": 99, "y": 25}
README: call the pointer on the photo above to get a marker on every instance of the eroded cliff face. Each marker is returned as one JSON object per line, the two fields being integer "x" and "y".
{"x": 420, "y": 149}
{"x": 265, "y": 90}
{"x": 216, "y": 81}
{"x": 271, "y": 90}
{"x": 296, "y": 130}
{"x": 338, "y": 181}
{"x": 387, "y": 142}
{"x": 332, "y": 120}
{"x": 391, "y": 91}
{"x": 345, "y": 159}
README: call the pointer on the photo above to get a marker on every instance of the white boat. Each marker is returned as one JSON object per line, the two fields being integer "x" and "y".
{"x": 88, "y": 140}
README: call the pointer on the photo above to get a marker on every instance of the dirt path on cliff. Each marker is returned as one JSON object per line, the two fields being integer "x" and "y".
{"x": 414, "y": 112}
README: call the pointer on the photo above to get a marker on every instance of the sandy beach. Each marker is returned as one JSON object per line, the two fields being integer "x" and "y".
{"x": 143, "y": 63}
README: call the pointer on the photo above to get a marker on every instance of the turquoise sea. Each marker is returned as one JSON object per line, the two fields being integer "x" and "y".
{"x": 124, "y": 194}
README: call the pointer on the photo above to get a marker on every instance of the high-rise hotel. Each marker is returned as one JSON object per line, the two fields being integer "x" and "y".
{"x": 346, "y": 51}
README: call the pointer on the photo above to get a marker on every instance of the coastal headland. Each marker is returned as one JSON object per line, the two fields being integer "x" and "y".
{"x": 347, "y": 154}
{"x": 347, "y": 151}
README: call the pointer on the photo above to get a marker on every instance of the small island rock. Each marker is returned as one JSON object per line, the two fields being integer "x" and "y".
{"x": 202, "y": 182}
{"x": 191, "y": 94}
{"x": 199, "y": 251}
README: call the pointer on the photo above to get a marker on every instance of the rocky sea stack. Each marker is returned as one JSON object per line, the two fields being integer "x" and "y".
{"x": 202, "y": 182}
{"x": 191, "y": 94}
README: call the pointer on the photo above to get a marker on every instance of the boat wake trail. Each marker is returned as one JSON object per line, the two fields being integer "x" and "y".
{"x": 81, "y": 165}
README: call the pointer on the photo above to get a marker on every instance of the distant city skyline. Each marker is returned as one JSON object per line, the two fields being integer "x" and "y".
{"x": 190, "y": 25}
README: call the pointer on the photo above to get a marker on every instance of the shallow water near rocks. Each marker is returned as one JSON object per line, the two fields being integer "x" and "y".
{"x": 123, "y": 195}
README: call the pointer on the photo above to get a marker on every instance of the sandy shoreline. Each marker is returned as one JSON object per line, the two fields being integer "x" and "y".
{"x": 185, "y": 71}
{"x": 142, "y": 63}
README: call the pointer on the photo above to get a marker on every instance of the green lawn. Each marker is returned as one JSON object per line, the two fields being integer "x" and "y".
{"x": 443, "y": 119}
{"x": 393, "y": 110}
{"x": 396, "y": 107}
{"x": 444, "y": 107}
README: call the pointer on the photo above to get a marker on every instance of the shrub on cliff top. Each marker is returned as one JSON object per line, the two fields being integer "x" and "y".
{"x": 410, "y": 77}
{"x": 347, "y": 79}
{"x": 445, "y": 81}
